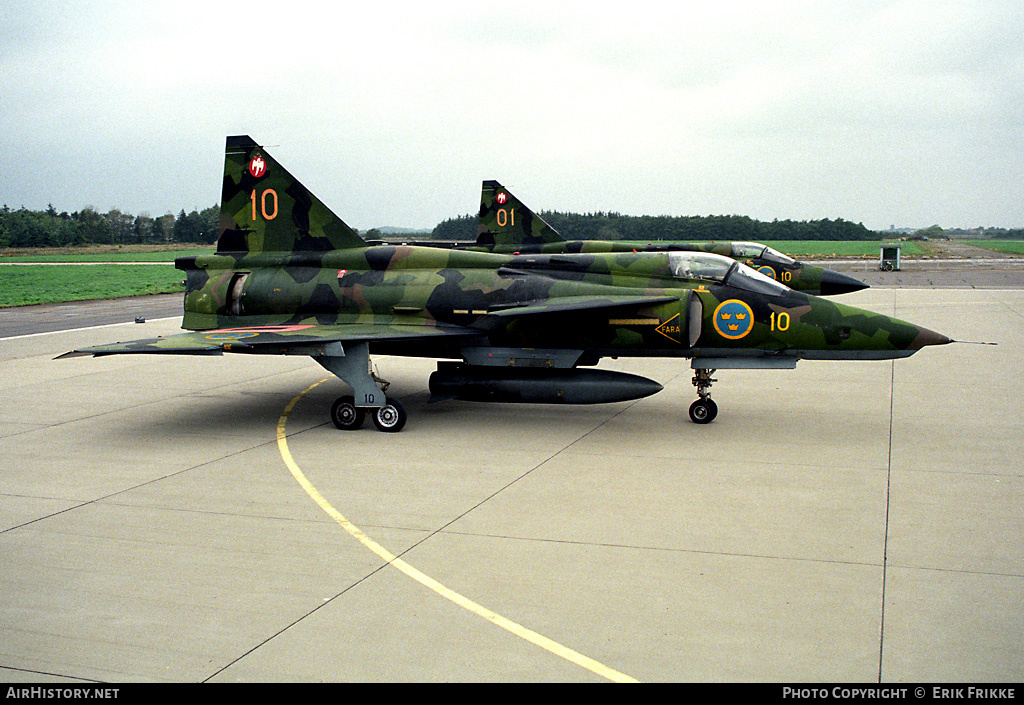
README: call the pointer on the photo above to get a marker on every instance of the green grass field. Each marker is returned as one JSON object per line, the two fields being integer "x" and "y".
{"x": 825, "y": 248}
{"x": 1011, "y": 247}
{"x": 21, "y": 286}
{"x": 129, "y": 256}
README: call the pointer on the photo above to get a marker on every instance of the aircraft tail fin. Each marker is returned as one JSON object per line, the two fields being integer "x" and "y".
{"x": 505, "y": 222}
{"x": 265, "y": 209}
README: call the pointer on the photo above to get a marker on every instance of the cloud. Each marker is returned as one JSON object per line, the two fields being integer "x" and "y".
{"x": 394, "y": 112}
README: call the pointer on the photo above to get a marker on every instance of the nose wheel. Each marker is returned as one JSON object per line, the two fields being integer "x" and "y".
{"x": 704, "y": 410}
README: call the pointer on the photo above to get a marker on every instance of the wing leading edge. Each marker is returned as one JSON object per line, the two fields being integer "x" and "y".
{"x": 309, "y": 338}
{"x": 300, "y": 338}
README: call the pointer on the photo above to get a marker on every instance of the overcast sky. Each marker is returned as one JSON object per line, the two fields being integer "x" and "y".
{"x": 892, "y": 112}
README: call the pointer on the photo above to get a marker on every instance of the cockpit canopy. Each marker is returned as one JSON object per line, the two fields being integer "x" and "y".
{"x": 755, "y": 250}
{"x": 717, "y": 269}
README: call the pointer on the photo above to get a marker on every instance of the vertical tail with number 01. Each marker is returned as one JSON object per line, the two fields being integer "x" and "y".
{"x": 507, "y": 224}
{"x": 265, "y": 209}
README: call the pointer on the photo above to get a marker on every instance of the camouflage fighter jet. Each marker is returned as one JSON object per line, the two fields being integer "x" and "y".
{"x": 507, "y": 225}
{"x": 290, "y": 278}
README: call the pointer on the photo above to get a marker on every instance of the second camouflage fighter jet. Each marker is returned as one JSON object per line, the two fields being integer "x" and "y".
{"x": 291, "y": 278}
{"x": 507, "y": 225}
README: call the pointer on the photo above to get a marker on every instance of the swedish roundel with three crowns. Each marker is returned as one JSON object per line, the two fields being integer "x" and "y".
{"x": 733, "y": 319}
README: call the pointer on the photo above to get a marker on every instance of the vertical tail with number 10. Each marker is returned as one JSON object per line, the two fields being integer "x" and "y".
{"x": 265, "y": 209}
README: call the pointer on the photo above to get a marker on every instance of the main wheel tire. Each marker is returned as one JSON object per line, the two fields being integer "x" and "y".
{"x": 391, "y": 417}
{"x": 703, "y": 411}
{"x": 346, "y": 415}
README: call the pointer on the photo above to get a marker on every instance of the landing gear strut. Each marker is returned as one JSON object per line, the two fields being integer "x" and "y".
{"x": 352, "y": 365}
{"x": 704, "y": 410}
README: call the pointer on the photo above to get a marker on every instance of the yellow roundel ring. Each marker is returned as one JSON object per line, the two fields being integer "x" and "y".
{"x": 767, "y": 271}
{"x": 733, "y": 319}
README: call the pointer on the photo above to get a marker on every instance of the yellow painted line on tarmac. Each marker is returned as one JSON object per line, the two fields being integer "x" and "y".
{"x": 423, "y": 579}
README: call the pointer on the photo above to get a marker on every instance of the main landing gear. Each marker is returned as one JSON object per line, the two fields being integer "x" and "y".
{"x": 704, "y": 410}
{"x": 389, "y": 418}
{"x": 352, "y": 365}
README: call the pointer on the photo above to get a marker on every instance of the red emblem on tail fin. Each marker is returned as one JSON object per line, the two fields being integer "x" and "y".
{"x": 257, "y": 167}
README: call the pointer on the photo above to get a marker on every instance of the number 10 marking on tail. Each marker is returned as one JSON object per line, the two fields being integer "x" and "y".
{"x": 269, "y": 195}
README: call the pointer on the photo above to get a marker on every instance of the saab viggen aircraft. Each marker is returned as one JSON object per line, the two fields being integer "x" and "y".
{"x": 507, "y": 225}
{"x": 289, "y": 277}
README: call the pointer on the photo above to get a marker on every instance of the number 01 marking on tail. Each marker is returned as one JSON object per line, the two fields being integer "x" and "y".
{"x": 268, "y": 204}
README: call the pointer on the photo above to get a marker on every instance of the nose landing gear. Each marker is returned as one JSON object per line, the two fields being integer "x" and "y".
{"x": 704, "y": 410}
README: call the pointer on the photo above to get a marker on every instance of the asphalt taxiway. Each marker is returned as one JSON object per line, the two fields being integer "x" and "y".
{"x": 199, "y": 519}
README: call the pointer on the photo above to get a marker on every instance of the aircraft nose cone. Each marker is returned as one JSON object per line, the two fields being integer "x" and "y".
{"x": 928, "y": 337}
{"x": 833, "y": 283}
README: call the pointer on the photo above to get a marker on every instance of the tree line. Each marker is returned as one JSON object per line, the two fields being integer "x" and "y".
{"x": 48, "y": 228}
{"x": 648, "y": 228}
